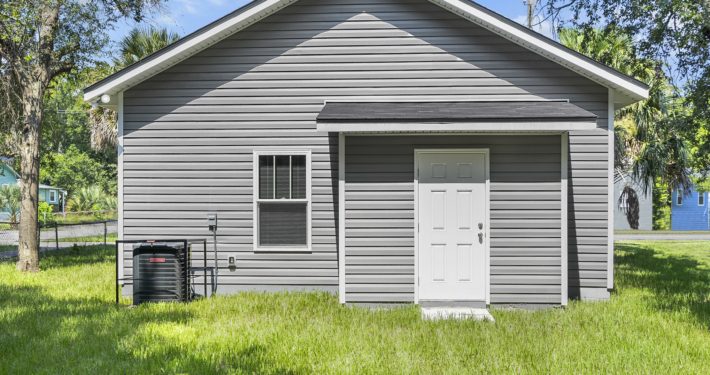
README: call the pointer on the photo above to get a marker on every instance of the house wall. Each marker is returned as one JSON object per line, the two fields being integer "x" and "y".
{"x": 645, "y": 209}
{"x": 690, "y": 215}
{"x": 6, "y": 176}
{"x": 525, "y": 216}
{"x": 191, "y": 130}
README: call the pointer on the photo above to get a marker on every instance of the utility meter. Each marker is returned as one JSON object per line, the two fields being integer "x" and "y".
{"x": 212, "y": 222}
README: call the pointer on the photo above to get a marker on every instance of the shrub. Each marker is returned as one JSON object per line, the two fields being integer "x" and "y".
{"x": 109, "y": 203}
{"x": 10, "y": 201}
{"x": 45, "y": 211}
{"x": 87, "y": 199}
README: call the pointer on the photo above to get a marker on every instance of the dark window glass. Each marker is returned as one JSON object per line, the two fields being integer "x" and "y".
{"x": 266, "y": 177}
{"x": 298, "y": 177}
{"x": 283, "y": 177}
{"x": 283, "y": 224}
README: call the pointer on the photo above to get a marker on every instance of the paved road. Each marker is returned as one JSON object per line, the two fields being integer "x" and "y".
{"x": 10, "y": 237}
{"x": 665, "y": 236}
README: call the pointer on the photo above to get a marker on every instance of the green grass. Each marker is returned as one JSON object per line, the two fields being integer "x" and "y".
{"x": 112, "y": 237}
{"x": 62, "y": 320}
{"x": 630, "y": 231}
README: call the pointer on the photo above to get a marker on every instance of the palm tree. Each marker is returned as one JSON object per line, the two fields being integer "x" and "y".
{"x": 88, "y": 199}
{"x": 649, "y": 142}
{"x": 138, "y": 44}
{"x": 141, "y": 42}
{"x": 10, "y": 201}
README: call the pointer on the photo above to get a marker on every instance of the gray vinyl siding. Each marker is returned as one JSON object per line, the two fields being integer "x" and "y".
{"x": 190, "y": 131}
{"x": 525, "y": 216}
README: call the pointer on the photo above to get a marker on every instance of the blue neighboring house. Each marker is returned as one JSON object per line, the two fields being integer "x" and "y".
{"x": 690, "y": 212}
{"x": 50, "y": 194}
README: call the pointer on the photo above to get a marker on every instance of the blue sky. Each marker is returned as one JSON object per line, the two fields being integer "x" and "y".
{"x": 186, "y": 16}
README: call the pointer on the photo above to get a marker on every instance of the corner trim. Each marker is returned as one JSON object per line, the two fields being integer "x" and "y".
{"x": 610, "y": 193}
{"x": 564, "y": 213}
{"x": 119, "y": 150}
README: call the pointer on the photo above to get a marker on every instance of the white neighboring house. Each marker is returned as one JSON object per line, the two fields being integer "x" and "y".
{"x": 645, "y": 208}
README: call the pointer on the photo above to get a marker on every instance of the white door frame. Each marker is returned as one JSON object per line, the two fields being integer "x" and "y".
{"x": 486, "y": 242}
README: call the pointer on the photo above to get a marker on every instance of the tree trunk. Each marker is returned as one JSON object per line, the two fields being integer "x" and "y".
{"x": 29, "y": 178}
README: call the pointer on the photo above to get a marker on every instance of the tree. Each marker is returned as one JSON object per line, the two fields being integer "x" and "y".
{"x": 142, "y": 42}
{"x": 10, "y": 201}
{"x": 674, "y": 32}
{"x": 138, "y": 44}
{"x": 74, "y": 169}
{"x": 41, "y": 40}
{"x": 650, "y": 134}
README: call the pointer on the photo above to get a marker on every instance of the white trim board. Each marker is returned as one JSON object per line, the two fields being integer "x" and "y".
{"x": 487, "y": 243}
{"x": 610, "y": 192}
{"x": 119, "y": 150}
{"x": 256, "y": 200}
{"x": 629, "y": 90}
{"x": 564, "y": 212}
{"x": 502, "y": 126}
{"x": 341, "y": 218}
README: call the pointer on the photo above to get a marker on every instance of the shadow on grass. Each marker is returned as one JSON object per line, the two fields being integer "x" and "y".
{"x": 678, "y": 283}
{"x": 42, "y": 332}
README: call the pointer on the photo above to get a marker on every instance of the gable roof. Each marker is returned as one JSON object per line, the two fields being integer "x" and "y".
{"x": 627, "y": 89}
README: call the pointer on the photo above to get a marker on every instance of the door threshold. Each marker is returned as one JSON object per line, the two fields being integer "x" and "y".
{"x": 457, "y": 313}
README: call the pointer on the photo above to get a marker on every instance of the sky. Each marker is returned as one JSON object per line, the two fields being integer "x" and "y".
{"x": 186, "y": 16}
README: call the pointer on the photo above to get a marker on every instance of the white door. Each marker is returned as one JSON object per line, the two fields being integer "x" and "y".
{"x": 452, "y": 222}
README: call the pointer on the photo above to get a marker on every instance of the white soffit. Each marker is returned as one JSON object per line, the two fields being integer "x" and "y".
{"x": 628, "y": 89}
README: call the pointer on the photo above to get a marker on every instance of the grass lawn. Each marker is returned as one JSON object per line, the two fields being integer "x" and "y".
{"x": 631, "y": 231}
{"x": 111, "y": 238}
{"x": 62, "y": 320}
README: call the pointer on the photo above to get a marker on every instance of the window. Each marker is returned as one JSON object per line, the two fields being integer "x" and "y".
{"x": 679, "y": 199}
{"x": 282, "y": 205}
{"x": 701, "y": 199}
{"x": 52, "y": 196}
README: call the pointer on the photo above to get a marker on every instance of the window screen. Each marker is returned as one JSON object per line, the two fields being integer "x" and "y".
{"x": 283, "y": 224}
{"x": 701, "y": 199}
{"x": 282, "y": 205}
{"x": 679, "y": 200}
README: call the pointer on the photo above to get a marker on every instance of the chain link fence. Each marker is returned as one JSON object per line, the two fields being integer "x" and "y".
{"x": 55, "y": 236}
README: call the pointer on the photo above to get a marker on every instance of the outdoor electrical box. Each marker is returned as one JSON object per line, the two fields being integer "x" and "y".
{"x": 212, "y": 222}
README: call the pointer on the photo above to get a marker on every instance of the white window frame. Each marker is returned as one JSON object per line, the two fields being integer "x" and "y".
{"x": 308, "y": 200}
{"x": 49, "y": 196}
{"x": 679, "y": 199}
{"x": 701, "y": 199}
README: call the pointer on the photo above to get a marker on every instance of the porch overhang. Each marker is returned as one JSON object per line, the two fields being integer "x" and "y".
{"x": 426, "y": 117}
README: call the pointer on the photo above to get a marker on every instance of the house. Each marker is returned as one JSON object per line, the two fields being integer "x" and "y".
{"x": 645, "y": 200}
{"x": 690, "y": 211}
{"x": 53, "y": 195}
{"x": 398, "y": 151}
